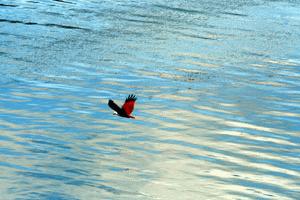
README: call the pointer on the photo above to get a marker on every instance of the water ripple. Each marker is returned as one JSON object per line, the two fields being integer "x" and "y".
{"x": 217, "y": 111}
{"x": 45, "y": 24}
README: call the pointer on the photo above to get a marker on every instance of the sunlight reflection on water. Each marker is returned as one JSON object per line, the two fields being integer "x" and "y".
{"x": 217, "y": 115}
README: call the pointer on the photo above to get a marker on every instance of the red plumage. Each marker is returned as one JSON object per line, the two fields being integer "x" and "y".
{"x": 127, "y": 107}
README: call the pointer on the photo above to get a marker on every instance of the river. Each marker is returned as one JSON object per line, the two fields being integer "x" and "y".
{"x": 218, "y": 108}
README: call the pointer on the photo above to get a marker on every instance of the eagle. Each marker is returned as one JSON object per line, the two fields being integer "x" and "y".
{"x": 127, "y": 107}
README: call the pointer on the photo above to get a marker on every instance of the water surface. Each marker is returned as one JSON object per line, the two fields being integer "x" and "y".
{"x": 218, "y": 107}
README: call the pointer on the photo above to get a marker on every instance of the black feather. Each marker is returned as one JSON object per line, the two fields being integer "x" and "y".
{"x": 121, "y": 112}
{"x": 114, "y": 106}
{"x": 131, "y": 97}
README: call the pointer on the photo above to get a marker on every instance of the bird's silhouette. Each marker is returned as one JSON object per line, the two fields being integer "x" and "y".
{"x": 127, "y": 107}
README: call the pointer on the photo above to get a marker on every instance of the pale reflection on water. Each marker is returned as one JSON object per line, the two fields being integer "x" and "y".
{"x": 217, "y": 115}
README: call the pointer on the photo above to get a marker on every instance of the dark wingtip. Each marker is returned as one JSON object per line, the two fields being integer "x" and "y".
{"x": 131, "y": 97}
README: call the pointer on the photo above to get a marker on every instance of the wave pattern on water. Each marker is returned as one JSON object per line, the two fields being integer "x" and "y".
{"x": 217, "y": 115}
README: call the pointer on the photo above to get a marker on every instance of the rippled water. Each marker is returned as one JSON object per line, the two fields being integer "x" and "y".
{"x": 218, "y": 107}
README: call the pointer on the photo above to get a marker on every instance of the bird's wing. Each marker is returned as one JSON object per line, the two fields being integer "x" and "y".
{"x": 128, "y": 106}
{"x": 114, "y": 106}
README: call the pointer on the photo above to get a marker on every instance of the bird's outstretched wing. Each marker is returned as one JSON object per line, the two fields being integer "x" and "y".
{"x": 128, "y": 106}
{"x": 114, "y": 106}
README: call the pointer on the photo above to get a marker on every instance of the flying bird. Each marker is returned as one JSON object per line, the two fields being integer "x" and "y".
{"x": 127, "y": 107}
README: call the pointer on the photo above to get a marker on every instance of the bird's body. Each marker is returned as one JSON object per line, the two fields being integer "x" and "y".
{"x": 127, "y": 107}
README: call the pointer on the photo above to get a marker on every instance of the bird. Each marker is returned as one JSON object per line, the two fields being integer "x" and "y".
{"x": 127, "y": 107}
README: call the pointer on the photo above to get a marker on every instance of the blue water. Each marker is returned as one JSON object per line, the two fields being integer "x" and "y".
{"x": 218, "y": 109}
